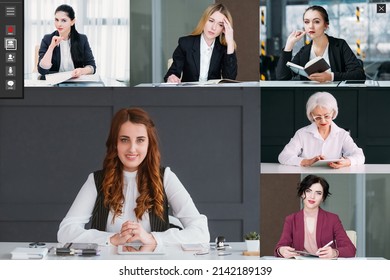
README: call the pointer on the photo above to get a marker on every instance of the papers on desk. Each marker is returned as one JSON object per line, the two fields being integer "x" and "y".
{"x": 209, "y": 83}
{"x": 359, "y": 83}
{"x": 22, "y": 253}
{"x": 60, "y": 77}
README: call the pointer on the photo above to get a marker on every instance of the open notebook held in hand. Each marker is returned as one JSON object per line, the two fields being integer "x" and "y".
{"x": 316, "y": 65}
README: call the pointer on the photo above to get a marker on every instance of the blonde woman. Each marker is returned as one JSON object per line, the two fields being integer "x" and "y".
{"x": 209, "y": 52}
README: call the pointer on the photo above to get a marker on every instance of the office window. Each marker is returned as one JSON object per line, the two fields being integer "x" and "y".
{"x": 106, "y": 24}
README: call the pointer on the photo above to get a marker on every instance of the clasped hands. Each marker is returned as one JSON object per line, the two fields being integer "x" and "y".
{"x": 342, "y": 162}
{"x": 130, "y": 232}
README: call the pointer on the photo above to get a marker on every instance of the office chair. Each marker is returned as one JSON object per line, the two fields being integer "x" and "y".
{"x": 170, "y": 61}
{"x": 383, "y": 72}
{"x": 36, "y": 58}
{"x": 352, "y": 235}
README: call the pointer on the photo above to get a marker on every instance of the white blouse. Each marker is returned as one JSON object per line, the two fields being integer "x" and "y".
{"x": 66, "y": 57}
{"x": 308, "y": 143}
{"x": 205, "y": 57}
{"x": 195, "y": 228}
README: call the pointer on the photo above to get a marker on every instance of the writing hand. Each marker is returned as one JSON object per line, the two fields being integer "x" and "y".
{"x": 327, "y": 253}
{"x": 77, "y": 72}
{"x": 173, "y": 79}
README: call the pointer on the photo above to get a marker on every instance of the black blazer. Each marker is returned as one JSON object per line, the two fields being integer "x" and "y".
{"x": 86, "y": 53}
{"x": 343, "y": 62}
{"x": 186, "y": 60}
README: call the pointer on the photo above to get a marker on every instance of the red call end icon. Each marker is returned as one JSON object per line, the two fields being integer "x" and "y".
{"x": 10, "y": 29}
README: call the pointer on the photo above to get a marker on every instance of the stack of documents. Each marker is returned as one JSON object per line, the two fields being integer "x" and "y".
{"x": 23, "y": 253}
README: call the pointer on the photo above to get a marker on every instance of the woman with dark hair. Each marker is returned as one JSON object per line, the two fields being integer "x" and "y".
{"x": 128, "y": 199}
{"x": 65, "y": 49}
{"x": 314, "y": 230}
{"x": 343, "y": 63}
{"x": 209, "y": 52}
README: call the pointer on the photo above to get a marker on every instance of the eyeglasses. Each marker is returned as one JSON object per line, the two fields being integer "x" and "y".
{"x": 326, "y": 117}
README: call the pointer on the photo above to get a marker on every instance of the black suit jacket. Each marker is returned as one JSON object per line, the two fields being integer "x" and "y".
{"x": 343, "y": 62}
{"x": 186, "y": 61}
{"x": 86, "y": 53}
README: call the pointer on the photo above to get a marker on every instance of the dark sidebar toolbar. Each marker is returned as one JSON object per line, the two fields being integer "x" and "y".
{"x": 12, "y": 49}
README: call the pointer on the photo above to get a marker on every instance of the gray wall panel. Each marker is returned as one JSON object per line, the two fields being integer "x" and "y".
{"x": 52, "y": 140}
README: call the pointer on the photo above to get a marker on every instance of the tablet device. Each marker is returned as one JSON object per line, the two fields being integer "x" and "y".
{"x": 355, "y": 82}
{"x": 140, "y": 249}
{"x": 306, "y": 254}
{"x": 194, "y": 246}
{"x": 324, "y": 162}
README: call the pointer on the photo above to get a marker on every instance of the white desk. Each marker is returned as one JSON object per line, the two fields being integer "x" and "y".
{"x": 184, "y": 85}
{"x": 32, "y": 80}
{"x": 293, "y": 84}
{"x": 276, "y": 168}
{"x": 173, "y": 252}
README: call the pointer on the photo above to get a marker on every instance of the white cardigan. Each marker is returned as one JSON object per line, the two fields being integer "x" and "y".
{"x": 195, "y": 228}
{"x": 308, "y": 143}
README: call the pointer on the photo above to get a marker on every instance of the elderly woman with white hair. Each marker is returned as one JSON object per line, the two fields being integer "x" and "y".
{"x": 322, "y": 139}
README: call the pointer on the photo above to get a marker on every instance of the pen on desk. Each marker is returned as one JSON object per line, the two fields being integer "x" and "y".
{"x": 327, "y": 245}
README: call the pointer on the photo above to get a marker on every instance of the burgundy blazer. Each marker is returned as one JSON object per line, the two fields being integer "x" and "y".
{"x": 329, "y": 228}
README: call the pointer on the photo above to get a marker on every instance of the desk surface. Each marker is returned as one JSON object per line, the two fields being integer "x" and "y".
{"x": 31, "y": 80}
{"x": 275, "y": 168}
{"x": 369, "y": 83}
{"x": 291, "y": 84}
{"x": 173, "y": 252}
{"x": 242, "y": 84}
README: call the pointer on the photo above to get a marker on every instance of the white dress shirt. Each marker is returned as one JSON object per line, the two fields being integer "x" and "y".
{"x": 66, "y": 57}
{"x": 325, "y": 56}
{"x": 308, "y": 143}
{"x": 205, "y": 57}
{"x": 195, "y": 228}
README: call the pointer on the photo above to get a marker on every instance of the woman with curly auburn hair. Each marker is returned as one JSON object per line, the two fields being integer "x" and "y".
{"x": 208, "y": 52}
{"x": 128, "y": 200}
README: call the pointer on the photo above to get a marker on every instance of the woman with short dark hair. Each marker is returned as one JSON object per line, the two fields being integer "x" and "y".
{"x": 313, "y": 230}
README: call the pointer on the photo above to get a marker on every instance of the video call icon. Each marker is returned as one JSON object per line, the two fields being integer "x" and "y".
{"x": 381, "y": 8}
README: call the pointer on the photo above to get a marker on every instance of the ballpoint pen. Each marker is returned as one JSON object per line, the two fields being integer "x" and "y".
{"x": 327, "y": 245}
